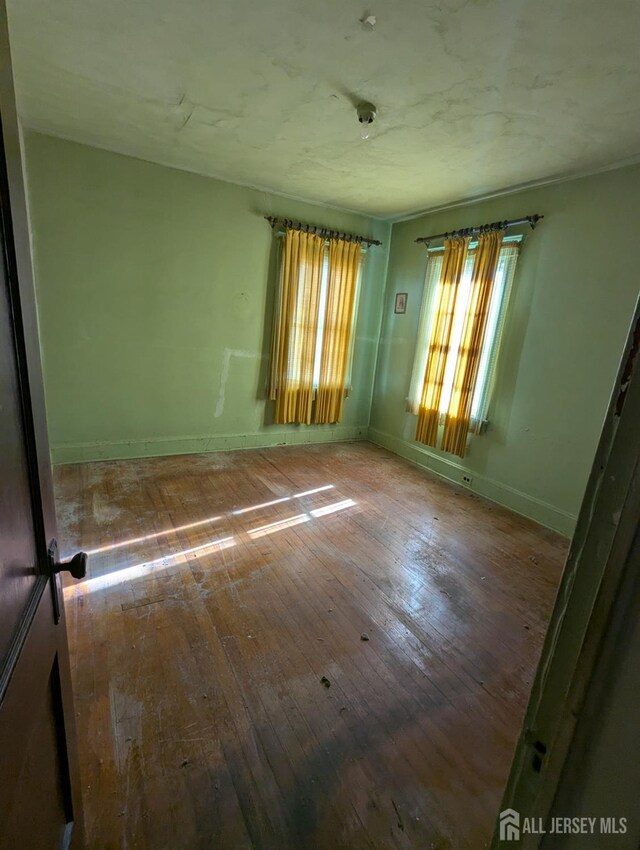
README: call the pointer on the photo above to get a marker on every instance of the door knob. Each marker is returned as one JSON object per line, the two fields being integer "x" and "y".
{"x": 77, "y": 566}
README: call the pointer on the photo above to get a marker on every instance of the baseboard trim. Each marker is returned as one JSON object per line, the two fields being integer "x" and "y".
{"x": 122, "y": 449}
{"x": 535, "y": 509}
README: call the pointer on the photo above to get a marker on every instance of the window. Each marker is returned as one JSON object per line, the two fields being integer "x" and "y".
{"x": 313, "y": 338}
{"x": 328, "y": 322}
{"x": 495, "y": 321}
{"x": 334, "y": 324}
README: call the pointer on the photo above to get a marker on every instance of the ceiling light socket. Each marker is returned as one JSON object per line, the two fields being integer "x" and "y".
{"x": 366, "y": 113}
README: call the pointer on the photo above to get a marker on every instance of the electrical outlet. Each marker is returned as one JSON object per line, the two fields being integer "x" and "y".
{"x": 468, "y": 480}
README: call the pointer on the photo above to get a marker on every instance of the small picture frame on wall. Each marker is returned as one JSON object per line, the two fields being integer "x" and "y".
{"x": 401, "y": 302}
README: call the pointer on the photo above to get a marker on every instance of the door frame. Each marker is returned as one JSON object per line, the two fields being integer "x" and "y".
{"x": 592, "y": 600}
{"x": 44, "y": 613}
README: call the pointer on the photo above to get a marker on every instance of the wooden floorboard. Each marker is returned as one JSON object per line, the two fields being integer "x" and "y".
{"x": 223, "y": 587}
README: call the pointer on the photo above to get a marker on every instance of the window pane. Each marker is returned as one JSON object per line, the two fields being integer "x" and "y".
{"x": 429, "y": 300}
{"x": 490, "y": 335}
{"x": 457, "y": 330}
{"x": 322, "y": 317}
{"x": 497, "y": 312}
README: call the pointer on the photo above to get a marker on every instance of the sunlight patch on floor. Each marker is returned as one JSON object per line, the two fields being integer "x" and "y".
{"x": 184, "y": 555}
{"x": 139, "y": 570}
{"x": 121, "y": 544}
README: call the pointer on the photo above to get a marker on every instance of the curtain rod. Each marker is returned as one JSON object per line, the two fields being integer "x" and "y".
{"x": 531, "y": 220}
{"x": 319, "y": 231}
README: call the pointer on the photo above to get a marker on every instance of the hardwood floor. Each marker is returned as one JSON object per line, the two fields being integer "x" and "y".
{"x": 226, "y": 589}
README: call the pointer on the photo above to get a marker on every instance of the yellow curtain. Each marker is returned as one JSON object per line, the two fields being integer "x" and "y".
{"x": 458, "y": 416}
{"x": 293, "y": 347}
{"x": 455, "y": 252}
{"x": 344, "y": 265}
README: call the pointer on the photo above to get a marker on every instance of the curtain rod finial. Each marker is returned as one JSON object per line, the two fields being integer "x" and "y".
{"x": 533, "y": 220}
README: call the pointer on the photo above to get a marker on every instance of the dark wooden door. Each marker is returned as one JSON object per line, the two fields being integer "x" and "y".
{"x": 39, "y": 790}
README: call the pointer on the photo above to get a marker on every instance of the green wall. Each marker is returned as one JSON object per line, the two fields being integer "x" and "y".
{"x": 572, "y": 302}
{"x": 155, "y": 294}
{"x": 155, "y": 291}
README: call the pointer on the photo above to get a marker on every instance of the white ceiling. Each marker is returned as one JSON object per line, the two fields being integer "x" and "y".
{"x": 474, "y": 96}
